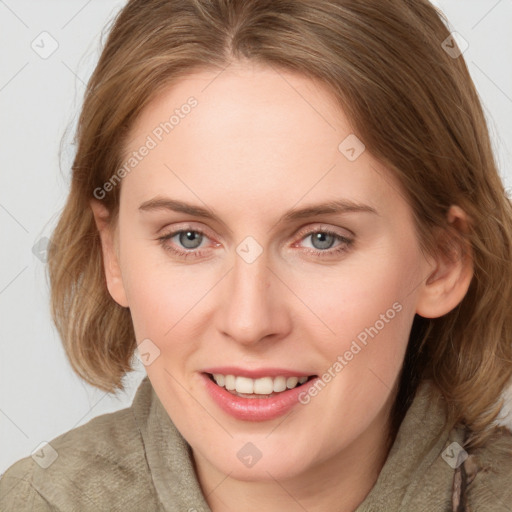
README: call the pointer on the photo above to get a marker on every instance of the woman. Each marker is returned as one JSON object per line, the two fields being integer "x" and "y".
{"x": 292, "y": 211}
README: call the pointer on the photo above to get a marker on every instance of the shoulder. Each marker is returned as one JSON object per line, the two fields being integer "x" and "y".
{"x": 490, "y": 474}
{"x": 100, "y": 465}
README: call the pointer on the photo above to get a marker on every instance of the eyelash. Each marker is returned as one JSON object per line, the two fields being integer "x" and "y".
{"x": 346, "y": 243}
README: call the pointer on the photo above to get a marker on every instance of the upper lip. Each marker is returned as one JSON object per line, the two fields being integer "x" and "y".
{"x": 256, "y": 373}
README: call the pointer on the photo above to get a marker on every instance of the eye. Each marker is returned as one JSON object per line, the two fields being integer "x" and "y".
{"x": 187, "y": 242}
{"x": 188, "y": 238}
{"x": 323, "y": 239}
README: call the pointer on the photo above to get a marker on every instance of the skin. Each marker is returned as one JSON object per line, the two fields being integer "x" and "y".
{"x": 256, "y": 146}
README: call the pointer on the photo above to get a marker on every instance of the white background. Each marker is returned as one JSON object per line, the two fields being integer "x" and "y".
{"x": 40, "y": 396}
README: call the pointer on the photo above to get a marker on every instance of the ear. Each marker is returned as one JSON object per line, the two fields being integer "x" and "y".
{"x": 452, "y": 271}
{"x": 110, "y": 252}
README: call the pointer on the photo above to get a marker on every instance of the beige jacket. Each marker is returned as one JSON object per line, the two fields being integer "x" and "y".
{"x": 134, "y": 460}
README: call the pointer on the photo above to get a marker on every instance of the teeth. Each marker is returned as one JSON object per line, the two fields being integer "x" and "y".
{"x": 244, "y": 385}
{"x": 279, "y": 384}
{"x": 291, "y": 382}
{"x": 229, "y": 382}
{"x": 262, "y": 386}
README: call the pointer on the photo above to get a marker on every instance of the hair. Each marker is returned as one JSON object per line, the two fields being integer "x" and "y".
{"x": 413, "y": 104}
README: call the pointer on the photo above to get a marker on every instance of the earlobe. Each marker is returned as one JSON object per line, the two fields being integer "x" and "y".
{"x": 110, "y": 254}
{"x": 448, "y": 282}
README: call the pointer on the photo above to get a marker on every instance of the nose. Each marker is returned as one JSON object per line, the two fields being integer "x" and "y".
{"x": 253, "y": 310}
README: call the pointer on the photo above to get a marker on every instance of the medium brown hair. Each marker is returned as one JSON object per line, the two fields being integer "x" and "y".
{"x": 413, "y": 105}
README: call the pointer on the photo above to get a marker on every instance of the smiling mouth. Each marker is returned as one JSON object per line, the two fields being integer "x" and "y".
{"x": 264, "y": 387}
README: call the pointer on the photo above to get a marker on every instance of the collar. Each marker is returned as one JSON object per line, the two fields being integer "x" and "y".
{"x": 416, "y": 475}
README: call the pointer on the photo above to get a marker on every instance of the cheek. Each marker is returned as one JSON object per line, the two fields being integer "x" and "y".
{"x": 351, "y": 298}
{"x": 151, "y": 296}
{"x": 165, "y": 298}
{"x": 368, "y": 308}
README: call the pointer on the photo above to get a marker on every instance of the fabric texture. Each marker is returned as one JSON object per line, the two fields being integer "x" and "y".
{"x": 136, "y": 460}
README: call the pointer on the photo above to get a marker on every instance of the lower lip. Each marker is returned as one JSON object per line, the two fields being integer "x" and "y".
{"x": 255, "y": 409}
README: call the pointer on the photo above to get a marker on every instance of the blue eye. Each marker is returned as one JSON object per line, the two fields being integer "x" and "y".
{"x": 323, "y": 240}
{"x": 189, "y": 240}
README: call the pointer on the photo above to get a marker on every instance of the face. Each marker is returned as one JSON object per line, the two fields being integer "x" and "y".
{"x": 262, "y": 285}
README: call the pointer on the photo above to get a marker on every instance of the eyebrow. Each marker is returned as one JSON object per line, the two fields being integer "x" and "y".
{"x": 328, "y": 208}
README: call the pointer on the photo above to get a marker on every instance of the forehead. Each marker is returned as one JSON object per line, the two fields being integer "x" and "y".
{"x": 253, "y": 132}
{"x": 245, "y": 102}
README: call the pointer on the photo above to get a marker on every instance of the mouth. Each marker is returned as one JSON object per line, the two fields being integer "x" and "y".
{"x": 262, "y": 398}
{"x": 263, "y": 387}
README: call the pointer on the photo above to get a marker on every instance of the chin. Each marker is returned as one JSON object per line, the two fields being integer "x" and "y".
{"x": 255, "y": 458}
